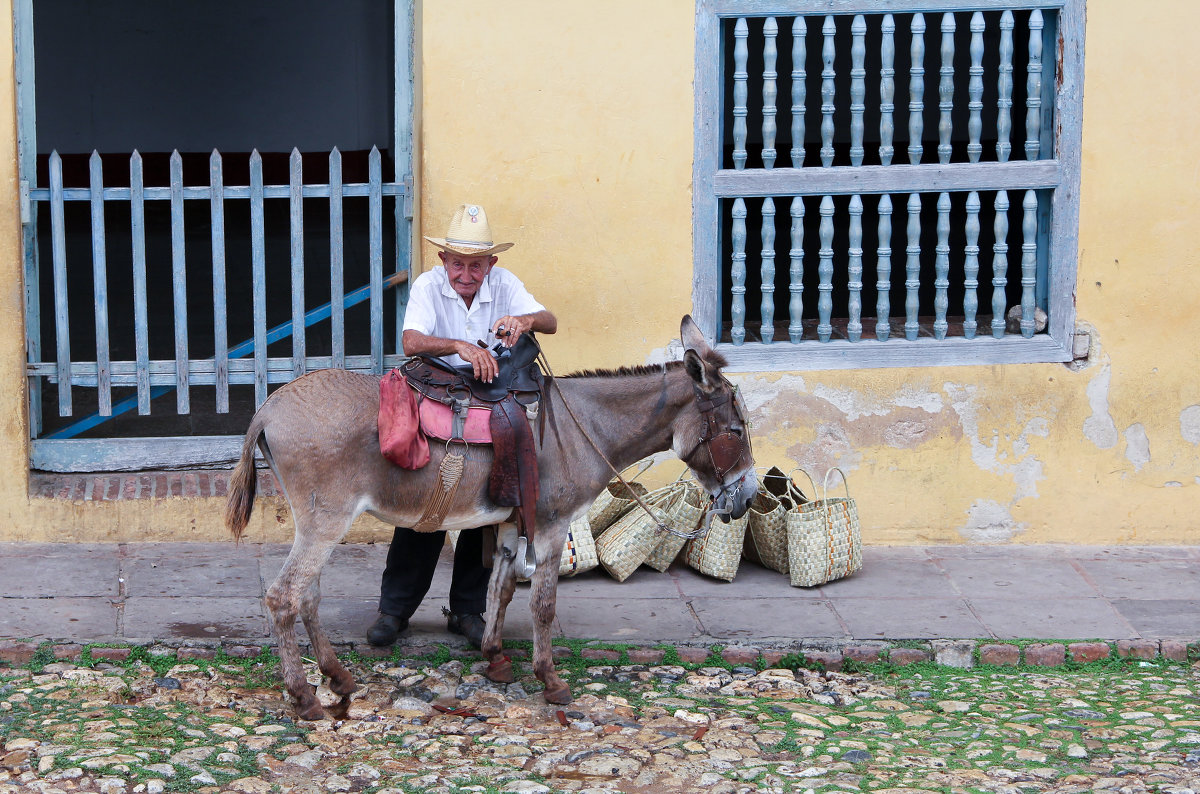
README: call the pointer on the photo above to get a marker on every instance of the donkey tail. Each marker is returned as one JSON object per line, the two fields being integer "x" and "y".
{"x": 244, "y": 483}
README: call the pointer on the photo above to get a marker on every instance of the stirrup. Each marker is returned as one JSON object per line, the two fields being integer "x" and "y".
{"x": 514, "y": 546}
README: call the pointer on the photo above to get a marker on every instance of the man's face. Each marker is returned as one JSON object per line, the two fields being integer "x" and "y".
{"x": 466, "y": 273}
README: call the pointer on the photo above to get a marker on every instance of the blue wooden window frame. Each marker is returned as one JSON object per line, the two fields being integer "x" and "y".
{"x": 233, "y": 363}
{"x": 1054, "y": 177}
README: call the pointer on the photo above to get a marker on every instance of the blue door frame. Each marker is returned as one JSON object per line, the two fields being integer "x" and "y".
{"x": 244, "y": 363}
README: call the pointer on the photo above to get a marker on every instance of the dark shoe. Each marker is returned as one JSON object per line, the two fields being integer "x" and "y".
{"x": 468, "y": 625}
{"x": 386, "y": 629}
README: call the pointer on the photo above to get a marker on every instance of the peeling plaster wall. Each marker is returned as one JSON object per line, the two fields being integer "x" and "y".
{"x": 990, "y": 455}
{"x": 544, "y": 113}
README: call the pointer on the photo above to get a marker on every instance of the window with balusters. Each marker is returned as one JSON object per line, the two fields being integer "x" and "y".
{"x": 887, "y": 183}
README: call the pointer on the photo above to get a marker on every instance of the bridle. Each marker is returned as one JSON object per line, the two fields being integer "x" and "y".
{"x": 726, "y": 450}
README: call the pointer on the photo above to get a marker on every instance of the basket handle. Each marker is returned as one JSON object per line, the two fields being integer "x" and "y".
{"x": 845, "y": 482}
{"x": 659, "y": 496}
{"x": 643, "y": 466}
{"x": 811, "y": 482}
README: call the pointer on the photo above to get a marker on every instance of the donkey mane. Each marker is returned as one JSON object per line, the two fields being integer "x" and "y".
{"x": 711, "y": 356}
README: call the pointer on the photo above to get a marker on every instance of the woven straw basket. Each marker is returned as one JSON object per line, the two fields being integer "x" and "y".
{"x": 628, "y": 543}
{"x": 615, "y": 500}
{"x": 687, "y": 510}
{"x": 767, "y": 535}
{"x": 579, "y": 551}
{"x": 719, "y": 550}
{"x": 824, "y": 538}
{"x": 766, "y": 538}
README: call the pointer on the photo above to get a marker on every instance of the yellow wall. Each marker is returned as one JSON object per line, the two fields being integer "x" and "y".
{"x": 575, "y": 129}
{"x": 14, "y": 450}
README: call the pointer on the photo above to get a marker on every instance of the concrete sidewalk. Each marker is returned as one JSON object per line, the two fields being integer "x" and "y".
{"x": 183, "y": 592}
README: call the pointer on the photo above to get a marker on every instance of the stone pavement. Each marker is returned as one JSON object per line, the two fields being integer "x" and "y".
{"x": 210, "y": 593}
{"x": 155, "y": 725}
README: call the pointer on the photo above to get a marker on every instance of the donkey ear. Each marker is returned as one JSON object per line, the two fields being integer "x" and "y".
{"x": 692, "y": 337}
{"x": 696, "y": 368}
{"x": 699, "y": 358}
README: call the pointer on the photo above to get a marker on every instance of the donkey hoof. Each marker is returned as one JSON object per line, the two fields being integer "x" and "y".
{"x": 559, "y": 695}
{"x": 343, "y": 686}
{"x": 500, "y": 670}
{"x": 310, "y": 711}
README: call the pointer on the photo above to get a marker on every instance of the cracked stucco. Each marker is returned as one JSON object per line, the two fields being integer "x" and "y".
{"x": 1137, "y": 446}
{"x": 1189, "y": 424}
{"x": 975, "y": 458}
{"x": 855, "y": 404}
{"x": 1024, "y": 468}
{"x": 1099, "y": 428}
{"x": 837, "y": 424}
{"x": 831, "y": 425}
{"x": 990, "y": 522}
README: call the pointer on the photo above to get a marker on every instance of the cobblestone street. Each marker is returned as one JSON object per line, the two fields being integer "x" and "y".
{"x": 153, "y": 723}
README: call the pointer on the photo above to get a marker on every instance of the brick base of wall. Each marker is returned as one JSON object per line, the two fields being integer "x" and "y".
{"x": 139, "y": 485}
{"x": 828, "y": 656}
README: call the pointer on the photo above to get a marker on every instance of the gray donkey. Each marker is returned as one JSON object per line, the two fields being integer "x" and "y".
{"x": 319, "y": 436}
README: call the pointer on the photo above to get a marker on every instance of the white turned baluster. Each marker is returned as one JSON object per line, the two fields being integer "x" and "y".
{"x": 912, "y": 268}
{"x": 770, "y": 92}
{"x": 883, "y": 270}
{"x": 1004, "y": 88}
{"x": 854, "y": 270}
{"x": 887, "y": 90}
{"x": 916, "y": 90}
{"x": 941, "y": 265}
{"x": 946, "y": 89}
{"x": 825, "y": 272}
{"x": 1033, "y": 93}
{"x": 767, "y": 270}
{"x": 975, "y": 90}
{"x": 858, "y": 86}
{"x": 737, "y": 274}
{"x": 796, "y": 272}
{"x": 1029, "y": 230}
{"x": 971, "y": 267}
{"x": 741, "y": 91}
{"x": 1000, "y": 265}
{"x": 799, "y": 53}
{"x": 827, "y": 92}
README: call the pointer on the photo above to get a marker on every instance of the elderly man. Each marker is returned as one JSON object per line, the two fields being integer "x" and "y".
{"x": 467, "y": 298}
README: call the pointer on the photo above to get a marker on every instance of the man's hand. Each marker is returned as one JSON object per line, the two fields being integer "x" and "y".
{"x": 484, "y": 365}
{"x": 508, "y": 329}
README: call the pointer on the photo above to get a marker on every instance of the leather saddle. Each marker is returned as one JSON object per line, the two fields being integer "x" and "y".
{"x": 513, "y": 397}
{"x": 519, "y": 375}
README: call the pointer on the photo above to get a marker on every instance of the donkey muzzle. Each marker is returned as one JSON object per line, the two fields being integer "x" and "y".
{"x": 734, "y": 499}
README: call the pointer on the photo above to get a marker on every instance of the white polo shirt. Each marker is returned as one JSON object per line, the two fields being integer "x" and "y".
{"x": 435, "y": 309}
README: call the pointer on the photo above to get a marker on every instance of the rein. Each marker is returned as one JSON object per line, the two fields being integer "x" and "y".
{"x": 702, "y": 525}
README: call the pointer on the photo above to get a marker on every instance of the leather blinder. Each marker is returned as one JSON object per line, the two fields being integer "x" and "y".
{"x": 727, "y": 451}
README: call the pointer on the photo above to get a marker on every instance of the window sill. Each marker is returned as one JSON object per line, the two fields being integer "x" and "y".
{"x": 810, "y": 355}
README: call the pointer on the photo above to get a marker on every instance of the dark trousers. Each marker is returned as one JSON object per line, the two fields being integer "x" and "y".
{"x": 411, "y": 561}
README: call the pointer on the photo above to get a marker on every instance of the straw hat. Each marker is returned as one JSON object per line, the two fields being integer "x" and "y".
{"x": 469, "y": 234}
